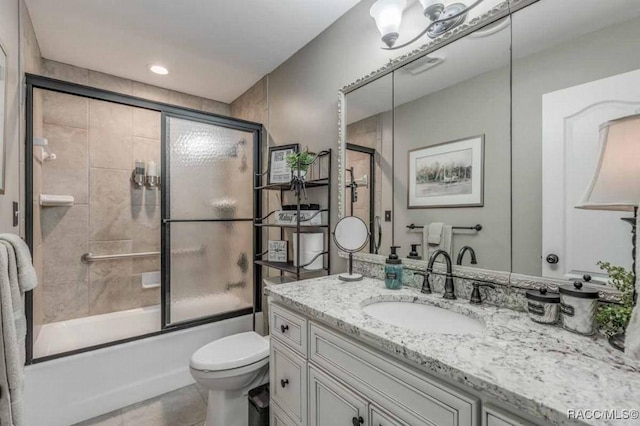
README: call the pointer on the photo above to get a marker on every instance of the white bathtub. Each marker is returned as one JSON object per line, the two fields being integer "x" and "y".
{"x": 64, "y": 336}
{"x": 67, "y": 390}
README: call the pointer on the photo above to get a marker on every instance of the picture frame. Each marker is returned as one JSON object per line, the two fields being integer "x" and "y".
{"x": 448, "y": 174}
{"x": 278, "y": 170}
{"x": 3, "y": 113}
{"x": 277, "y": 251}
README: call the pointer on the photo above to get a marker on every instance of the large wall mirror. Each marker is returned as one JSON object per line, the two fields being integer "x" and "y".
{"x": 581, "y": 72}
{"x": 503, "y": 127}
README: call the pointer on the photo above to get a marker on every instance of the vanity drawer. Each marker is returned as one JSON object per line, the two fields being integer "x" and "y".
{"x": 380, "y": 417}
{"x": 492, "y": 416}
{"x": 288, "y": 378}
{"x": 385, "y": 382}
{"x": 289, "y": 328}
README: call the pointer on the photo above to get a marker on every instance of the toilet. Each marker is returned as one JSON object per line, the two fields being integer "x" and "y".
{"x": 228, "y": 368}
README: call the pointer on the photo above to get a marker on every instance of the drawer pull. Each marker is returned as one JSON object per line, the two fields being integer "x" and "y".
{"x": 357, "y": 421}
{"x": 284, "y": 328}
{"x": 284, "y": 382}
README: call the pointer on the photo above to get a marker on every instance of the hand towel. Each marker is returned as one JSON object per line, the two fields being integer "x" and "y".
{"x": 445, "y": 241}
{"x": 435, "y": 233}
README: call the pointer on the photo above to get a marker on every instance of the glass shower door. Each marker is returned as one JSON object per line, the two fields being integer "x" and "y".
{"x": 208, "y": 217}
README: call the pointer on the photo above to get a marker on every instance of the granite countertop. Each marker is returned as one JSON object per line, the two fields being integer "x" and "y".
{"x": 539, "y": 369}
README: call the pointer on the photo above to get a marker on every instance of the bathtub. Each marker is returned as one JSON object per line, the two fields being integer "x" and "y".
{"x": 67, "y": 390}
{"x": 64, "y": 336}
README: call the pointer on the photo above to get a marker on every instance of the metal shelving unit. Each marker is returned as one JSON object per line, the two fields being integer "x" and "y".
{"x": 261, "y": 223}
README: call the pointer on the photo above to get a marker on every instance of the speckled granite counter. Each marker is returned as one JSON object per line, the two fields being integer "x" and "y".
{"x": 541, "y": 370}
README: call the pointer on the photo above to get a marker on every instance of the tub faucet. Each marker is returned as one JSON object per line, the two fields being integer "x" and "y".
{"x": 448, "y": 280}
{"x": 461, "y": 253}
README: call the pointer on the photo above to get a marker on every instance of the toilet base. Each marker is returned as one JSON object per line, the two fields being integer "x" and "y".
{"x": 230, "y": 407}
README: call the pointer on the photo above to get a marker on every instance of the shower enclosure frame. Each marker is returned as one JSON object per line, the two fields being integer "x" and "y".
{"x": 45, "y": 83}
{"x": 372, "y": 187}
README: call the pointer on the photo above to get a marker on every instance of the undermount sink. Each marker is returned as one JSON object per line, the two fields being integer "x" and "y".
{"x": 424, "y": 318}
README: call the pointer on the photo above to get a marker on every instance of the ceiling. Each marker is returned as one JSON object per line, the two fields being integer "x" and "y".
{"x": 213, "y": 48}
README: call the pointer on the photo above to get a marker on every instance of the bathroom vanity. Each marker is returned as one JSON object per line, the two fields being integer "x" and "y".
{"x": 336, "y": 361}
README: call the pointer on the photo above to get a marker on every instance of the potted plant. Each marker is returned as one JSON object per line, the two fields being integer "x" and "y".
{"x": 613, "y": 319}
{"x": 299, "y": 161}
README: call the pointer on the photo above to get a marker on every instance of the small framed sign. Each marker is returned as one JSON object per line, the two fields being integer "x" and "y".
{"x": 279, "y": 170}
{"x": 277, "y": 251}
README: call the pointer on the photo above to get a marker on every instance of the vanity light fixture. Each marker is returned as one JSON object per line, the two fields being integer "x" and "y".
{"x": 388, "y": 16}
{"x": 614, "y": 185}
{"x": 158, "y": 69}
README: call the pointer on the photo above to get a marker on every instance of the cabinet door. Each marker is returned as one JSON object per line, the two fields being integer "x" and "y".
{"x": 332, "y": 404}
{"x": 288, "y": 377}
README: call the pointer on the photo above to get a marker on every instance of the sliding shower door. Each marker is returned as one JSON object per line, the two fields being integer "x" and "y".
{"x": 208, "y": 213}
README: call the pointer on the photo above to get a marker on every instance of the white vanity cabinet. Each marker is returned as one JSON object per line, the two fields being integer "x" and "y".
{"x": 320, "y": 377}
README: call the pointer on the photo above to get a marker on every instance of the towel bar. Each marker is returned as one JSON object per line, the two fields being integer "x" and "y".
{"x": 472, "y": 228}
{"x": 90, "y": 257}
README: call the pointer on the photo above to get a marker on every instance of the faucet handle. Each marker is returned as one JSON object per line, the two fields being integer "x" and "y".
{"x": 426, "y": 286}
{"x": 476, "y": 299}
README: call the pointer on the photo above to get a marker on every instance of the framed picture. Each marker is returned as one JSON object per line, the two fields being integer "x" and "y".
{"x": 3, "y": 112}
{"x": 449, "y": 174}
{"x": 279, "y": 170}
{"x": 277, "y": 251}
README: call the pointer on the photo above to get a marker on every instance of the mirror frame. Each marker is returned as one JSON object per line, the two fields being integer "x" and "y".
{"x": 499, "y": 11}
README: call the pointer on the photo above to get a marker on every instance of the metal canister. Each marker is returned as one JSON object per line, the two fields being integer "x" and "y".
{"x": 543, "y": 307}
{"x": 578, "y": 306}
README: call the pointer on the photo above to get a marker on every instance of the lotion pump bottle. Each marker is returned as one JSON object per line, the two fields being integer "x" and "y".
{"x": 393, "y": 270}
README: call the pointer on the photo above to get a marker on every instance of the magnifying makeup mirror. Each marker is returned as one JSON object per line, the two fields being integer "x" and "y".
{"x": 350, "y": 235}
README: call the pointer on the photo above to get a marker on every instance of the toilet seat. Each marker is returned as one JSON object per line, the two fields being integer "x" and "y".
{"x": 232, "y": 352}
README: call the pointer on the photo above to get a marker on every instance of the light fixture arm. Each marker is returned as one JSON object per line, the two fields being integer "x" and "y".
{"x": 432, "y": 24}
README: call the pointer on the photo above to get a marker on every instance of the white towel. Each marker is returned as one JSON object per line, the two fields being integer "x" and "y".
{"x": 444, "y": 240}
{"x": 17, "y": 275}
{"x": 434, "y": 233}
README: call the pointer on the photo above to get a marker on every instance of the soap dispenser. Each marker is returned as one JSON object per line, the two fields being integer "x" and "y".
{"x": 414, "y": 252}
{"x": 393, "y": 270}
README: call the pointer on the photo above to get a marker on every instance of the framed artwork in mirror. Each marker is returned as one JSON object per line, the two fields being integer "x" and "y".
{"x": 279, "y": 170}
{"x": 449, "y": 174}
{"x": 3, "y": 113}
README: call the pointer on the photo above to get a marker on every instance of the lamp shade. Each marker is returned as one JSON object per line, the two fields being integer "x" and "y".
{"x": 616, "y": 181}
{"x": 388, "y": 16}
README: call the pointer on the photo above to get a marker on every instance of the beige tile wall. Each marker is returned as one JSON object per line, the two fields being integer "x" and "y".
{"x": 96, "y": 144}
{"x": 367, "y": 133}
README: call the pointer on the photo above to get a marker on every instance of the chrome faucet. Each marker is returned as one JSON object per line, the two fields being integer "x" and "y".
{"x": 472, "y": 252}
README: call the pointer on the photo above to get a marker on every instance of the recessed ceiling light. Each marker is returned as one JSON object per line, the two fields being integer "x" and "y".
{"x": 158, "y": 69}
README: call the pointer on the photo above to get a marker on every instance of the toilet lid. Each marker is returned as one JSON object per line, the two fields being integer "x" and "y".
{"x": 237, "y": 350}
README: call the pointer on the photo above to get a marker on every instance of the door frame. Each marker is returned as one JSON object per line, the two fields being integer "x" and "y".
{"x": 32, "y": 82}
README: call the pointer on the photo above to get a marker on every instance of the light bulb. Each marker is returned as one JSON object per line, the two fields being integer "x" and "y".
{"x": 432, "y": 8}
{"x": 388, "y": 16}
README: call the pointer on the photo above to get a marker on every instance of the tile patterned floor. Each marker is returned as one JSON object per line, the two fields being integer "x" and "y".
{"x": 183, "y": 407}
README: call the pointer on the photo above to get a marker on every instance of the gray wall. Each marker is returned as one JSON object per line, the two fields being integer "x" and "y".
{"x": 597, "y": 55}
{"x": 477, "y": 106}
{"x": 303, "y": 91}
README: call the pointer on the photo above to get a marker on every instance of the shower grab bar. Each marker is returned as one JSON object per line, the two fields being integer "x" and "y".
{"x": 90, "y": 257}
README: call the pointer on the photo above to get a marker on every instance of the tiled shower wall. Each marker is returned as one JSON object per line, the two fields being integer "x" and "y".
{"x": 96, "y": 144}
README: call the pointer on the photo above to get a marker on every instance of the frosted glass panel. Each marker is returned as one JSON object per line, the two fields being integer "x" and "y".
{"x": 211, "y": 171}
{"x": 211, "y": 268}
